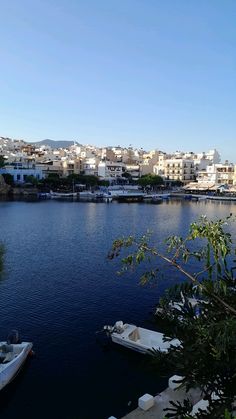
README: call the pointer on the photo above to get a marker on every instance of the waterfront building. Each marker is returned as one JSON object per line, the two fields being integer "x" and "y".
{"x": 159, "y": 167}
{"x": 107, "y": 170}
{"x": 148, "y": 162}
{"x": 90, "y": 166}
{"x": 20, "y": 174}
{"x": 71, "y": 166}
{"x": 50, "y": 167}
{"x": 219, "y": 174}
{"x": 175, "y": 169}
{"x": 184, "y": 166}
{"x": 133, "y": 170}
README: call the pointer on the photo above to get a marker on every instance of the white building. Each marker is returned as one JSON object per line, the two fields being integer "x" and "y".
{"x": 90, "y": 166}
{"x": 133, "y": 170}
{"x": 20, "y": 174}
{"x": 108, "y": 170}
{"x": 220, "y": 174}
{"x": 179, "y": 169}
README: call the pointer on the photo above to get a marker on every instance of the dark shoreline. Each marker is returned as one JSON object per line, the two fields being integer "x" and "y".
{"x": 35, "y": 197}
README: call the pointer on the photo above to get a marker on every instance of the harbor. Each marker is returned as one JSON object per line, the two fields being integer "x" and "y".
{"x": 123, "y": 196}
{"x": 60, "y": 305}
{"x": 117, "y": 210}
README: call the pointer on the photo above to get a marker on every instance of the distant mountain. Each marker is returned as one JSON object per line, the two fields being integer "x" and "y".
{"x": 55, "y": 144}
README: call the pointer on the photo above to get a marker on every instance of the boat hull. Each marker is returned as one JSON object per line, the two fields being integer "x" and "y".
{"x": 129, "y": 345}
{"x": 142, "y": 340}
{"x": 9, "y": 370}
{"x": 55, "y": 195}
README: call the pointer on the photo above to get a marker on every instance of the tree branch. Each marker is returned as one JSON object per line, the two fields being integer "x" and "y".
{"x": 189, "y": 276}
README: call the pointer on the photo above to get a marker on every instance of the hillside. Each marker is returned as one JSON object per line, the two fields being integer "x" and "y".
{"x": 55, "y": 144}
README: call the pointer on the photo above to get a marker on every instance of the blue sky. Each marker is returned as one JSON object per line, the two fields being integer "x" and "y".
{"x": 151, "y": 73}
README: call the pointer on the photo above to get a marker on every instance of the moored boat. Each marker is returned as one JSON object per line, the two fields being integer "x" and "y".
{"x": 95, "y": 196}
{"x": 192, "y": 305}
{"x": 130, "y": 197}
{"x": 107, "y": 197}
{"x": 12, "y": 357}
{"x": 62, "y": 195}
{"x": 139, "y": 339}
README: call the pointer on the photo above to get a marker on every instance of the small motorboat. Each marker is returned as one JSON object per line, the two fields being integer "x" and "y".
{"x": 187, "y": 303}
{"x": 139, "y": 339}
{"x": 13, "y": 354}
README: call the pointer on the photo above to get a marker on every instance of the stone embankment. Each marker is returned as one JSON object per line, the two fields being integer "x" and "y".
{"x": 17, "y": 192}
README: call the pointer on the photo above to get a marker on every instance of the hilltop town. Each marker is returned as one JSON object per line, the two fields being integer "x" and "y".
{"x": 194, "y": 170}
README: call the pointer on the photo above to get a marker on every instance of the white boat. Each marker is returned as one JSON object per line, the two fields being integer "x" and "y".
{"x": 139, "y": 339}
{"x": 62, "y": 195}
{"x": 107, "y": 197}
{"x": 89, "y": 195}
{"x": 12, "y": 357}
{"x": 193, "y": 302}
{"x": 86, "y": 194}
{"x": 95, "y": 196}
{"x": 165, "y": 195}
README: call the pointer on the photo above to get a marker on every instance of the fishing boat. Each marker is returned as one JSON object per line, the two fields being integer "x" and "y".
{"x": 139, "y": 339}
{"x": 62, "y": 195}
{"x": 13, "y": 354}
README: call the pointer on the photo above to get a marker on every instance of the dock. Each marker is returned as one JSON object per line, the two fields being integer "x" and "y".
{"x": 162, "y": 401}
{"x": 174, "y": 392}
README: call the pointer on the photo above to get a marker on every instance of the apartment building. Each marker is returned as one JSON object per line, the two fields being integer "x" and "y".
{"x": 179, "y": 169}
{"x": 219, "y": 174}
{"x": 108, "y": 154}
{"x": 133, "y": 170}
{"x": 108, "y": 170}
{"x": 90, "y": 166}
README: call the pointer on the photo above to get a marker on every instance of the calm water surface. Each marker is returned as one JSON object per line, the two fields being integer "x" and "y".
{"x": 58, "y": 289}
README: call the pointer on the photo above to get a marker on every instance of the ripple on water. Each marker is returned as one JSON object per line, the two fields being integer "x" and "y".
{"x": 59, "y": 289}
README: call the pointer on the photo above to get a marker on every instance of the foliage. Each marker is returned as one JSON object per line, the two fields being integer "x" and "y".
{"x": 103, "y": 183}
{"x": 54, "y": 181}
{"x": 127, "y": 175}
{"x": 150, "y": 180}
{"x": 88, "y": 180}
{"x": 32, "y": 179}
{"x": 207, "y": 330}
{"x": 2, "y": 161}
{"x": 176, "y": 183}
{"x": 9, "y": 179}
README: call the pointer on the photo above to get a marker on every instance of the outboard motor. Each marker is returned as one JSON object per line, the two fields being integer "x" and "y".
{"x": 119, "y": 326}
{"x": 13, "y": 337}
{"x": 108, "y": 329}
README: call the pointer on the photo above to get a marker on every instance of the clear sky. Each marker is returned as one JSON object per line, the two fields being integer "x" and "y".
{"x": 151, "y": 73}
